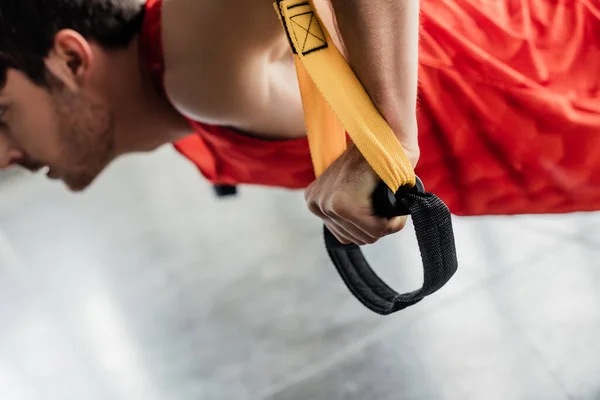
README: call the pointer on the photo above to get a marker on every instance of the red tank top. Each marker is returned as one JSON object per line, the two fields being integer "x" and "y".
{"x": 509, "y": 110}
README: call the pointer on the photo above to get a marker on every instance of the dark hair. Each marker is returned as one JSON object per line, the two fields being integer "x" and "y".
{"x": 28, "y": 27}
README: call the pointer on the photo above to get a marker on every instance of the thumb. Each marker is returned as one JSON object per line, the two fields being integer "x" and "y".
{"x": 396, "y": 224}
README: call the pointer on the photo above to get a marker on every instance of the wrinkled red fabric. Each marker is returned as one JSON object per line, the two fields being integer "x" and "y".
{"x": 509, "y": 110}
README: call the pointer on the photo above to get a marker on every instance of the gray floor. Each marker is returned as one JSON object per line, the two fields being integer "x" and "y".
{"x": 147, "y": 287}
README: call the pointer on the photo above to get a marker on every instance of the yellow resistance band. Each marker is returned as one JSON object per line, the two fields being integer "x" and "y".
{"x": 335, "y": 102}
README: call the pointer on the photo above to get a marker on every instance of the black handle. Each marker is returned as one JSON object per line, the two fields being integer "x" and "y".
{"x": 433, "y": 227}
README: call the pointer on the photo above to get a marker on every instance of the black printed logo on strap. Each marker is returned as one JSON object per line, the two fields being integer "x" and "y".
{"x": 305, "y": 28}
{"x": 308, "y": 32}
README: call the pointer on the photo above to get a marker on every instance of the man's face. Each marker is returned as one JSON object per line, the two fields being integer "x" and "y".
{"x": 55, "y": 127}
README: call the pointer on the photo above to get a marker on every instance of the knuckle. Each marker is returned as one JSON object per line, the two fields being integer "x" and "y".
{"x": 311, "y": 193}
{"x": 388, "y": 230}
{"x": 382, "y": 230}
{"x": 328, "y": 211}
{"x": 338, "y": 206}
{"x": 308, "y": 193}
{"x": 402, "y": 225}
{"x": 313, "y": 206}
{"x": 344, "y": 240}
{"x": 371, "y": 240}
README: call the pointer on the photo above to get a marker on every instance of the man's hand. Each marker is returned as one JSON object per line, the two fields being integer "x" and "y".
{"x": 381, "y": 41}
{"x": 341, "y": 197}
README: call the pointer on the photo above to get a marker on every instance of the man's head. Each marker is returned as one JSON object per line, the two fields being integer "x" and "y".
{"x": 52, "y": 110}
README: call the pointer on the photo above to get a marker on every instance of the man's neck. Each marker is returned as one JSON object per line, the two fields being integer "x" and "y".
{"x": 145, "y": 119}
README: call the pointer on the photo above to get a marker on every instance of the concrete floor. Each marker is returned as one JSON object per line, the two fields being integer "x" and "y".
{"x": 148, "y": 287}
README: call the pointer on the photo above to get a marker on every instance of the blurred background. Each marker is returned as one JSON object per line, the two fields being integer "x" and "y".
{"x": 149, "y": 287}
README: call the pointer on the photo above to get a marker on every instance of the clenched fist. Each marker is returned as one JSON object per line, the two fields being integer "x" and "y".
{"x": 342, "y": 198}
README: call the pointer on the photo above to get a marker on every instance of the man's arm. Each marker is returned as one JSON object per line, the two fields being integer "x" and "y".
{"x": 381, "y": 43}
{"x": 381, "y": 39}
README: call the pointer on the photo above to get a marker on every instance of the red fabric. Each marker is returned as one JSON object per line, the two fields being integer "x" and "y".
{"x": 509, "y": 110}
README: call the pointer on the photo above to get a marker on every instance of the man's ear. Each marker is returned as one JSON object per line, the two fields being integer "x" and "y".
{"x": 70, "y": 58}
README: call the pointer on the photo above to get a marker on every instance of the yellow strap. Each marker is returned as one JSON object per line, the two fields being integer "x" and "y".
{"x": 326, "y": 136}
{"x": 325, "y": 78}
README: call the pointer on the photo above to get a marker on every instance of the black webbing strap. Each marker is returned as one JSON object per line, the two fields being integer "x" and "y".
{"x": 433, "y": 226}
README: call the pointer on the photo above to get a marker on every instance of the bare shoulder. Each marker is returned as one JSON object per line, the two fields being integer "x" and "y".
{"x": 229, "y": 63}
{"x": 210, "y": 47}
{"x": 225, "y": 21}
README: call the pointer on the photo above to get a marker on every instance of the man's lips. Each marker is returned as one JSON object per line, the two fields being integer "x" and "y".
{"x": 30, "y": 165}
{"x": 34, "y": 166}
{"x": 52, "y": 174}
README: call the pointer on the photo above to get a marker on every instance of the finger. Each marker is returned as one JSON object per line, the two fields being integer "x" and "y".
{"x": 358, "y": 238}
{"x": 370, "y": 229}
{"x": 308, "y": 191}
{"x": 339, "y": 234}
{"x": 372, "y": 226}
{"x": 360, "y": 222}
{"x": 355, "y": 231}
{"x": 345, "y": 231}
{"x": 342, "y": 234}
{"x": 349, "y": 229}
